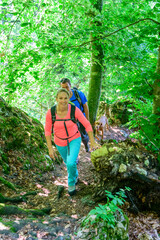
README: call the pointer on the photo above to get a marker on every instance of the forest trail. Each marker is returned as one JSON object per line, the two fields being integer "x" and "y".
{"x": 66, "y": 211}
{"x": 86, "y": 175}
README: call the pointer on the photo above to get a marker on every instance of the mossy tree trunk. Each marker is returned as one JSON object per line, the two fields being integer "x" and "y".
{"x": 96, "y": 68}
{"x": 156, "y": 92}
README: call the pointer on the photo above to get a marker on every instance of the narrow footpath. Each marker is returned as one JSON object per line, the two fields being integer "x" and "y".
{"x": 66, "y": 212}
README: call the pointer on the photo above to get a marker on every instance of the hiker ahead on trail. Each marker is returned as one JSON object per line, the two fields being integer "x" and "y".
{"x": 79, "y": 99}
{"x": 67, "y": 137}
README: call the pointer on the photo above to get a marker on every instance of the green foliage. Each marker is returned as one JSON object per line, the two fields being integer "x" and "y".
{"x": 146, "y": 124}
{"x": 41, "y": 42}
{"x": 105, "y": 214}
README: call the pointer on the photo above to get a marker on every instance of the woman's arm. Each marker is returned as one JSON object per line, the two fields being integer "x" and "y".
{"x": 86, "y": 110}
{"x": 79, "y": 115}
{"x": 48, "y": 127}
{"x": 92, "y": 141}
{"x": 52, "y": 152}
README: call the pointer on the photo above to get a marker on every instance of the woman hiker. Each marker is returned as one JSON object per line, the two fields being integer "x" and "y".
{"x": 67, "y": 137}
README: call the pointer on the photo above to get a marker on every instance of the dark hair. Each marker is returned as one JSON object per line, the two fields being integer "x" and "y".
{"x": 65, "y": 80}
{"x": 62, "y": 90}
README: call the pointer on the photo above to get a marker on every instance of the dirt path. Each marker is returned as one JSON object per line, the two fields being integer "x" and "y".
{"x": 142, "y": 223}
{"x": 66, "y": 211}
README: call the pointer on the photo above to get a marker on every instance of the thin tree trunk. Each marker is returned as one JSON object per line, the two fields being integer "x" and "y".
{"x": 156, "y": 91}
{"x": 95, "y": 71}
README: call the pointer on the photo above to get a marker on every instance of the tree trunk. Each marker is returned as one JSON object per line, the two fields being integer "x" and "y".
{"x": 156, "y": 91}
{"x": 96, "y": 70}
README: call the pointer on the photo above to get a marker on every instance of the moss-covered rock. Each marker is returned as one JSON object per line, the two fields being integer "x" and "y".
{"x": 124, "y": 164}
{"x": 19, "y": 130}
{"x": 99, "y": 154}
{"x": 113, "y": 156}
{"x": 22, "y": 140}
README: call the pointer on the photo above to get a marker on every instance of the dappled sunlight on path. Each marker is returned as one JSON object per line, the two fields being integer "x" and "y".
{"x": 66, "y": 210}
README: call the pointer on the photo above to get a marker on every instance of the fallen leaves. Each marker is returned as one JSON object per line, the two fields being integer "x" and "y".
{"x": 143, "y": 223}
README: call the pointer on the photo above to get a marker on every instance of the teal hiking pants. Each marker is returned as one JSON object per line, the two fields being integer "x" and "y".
{"x": 70, "y": 159}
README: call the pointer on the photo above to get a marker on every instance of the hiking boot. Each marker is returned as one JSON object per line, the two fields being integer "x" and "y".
{"x": 71, "y": 190}
{"x": 72, "y": 193}
{"x": 87, "y": 147}
{"x": 77, "y": 180}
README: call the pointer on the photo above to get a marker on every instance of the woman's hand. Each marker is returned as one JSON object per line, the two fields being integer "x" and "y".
{"x": 95, "y": 145}
{"x": 52, "y": 153}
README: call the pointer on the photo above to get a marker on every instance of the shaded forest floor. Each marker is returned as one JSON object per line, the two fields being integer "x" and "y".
{"x": 67, "y": 211}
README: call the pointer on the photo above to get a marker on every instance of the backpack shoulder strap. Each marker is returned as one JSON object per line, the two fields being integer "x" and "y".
{"x": 73, "y": 108}
{"x": 77, "y": 96}
{"x": 72, "y": 114}
{"x": 71, "y": 103}
{"x": 53, "y": 114}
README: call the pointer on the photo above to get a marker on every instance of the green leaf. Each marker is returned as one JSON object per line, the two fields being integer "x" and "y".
{"x": 4, "y": 4}
{"x": 14, "y": 13}
{"x": 25, "y": 24}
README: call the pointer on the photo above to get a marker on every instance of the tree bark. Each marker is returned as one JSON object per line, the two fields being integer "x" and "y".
{"x": 156, "y": 91}
{"x": 96, "y": 70}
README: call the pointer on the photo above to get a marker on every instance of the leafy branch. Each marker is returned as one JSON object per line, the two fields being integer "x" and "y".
{"x": 143, "y": 132}
{"x": 146, "y": 80}
{"x": 108, "y": 35}
{"x": 8, "y": 37}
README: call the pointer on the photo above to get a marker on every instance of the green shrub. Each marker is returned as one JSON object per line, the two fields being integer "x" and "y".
{"x": 106, "y": 221}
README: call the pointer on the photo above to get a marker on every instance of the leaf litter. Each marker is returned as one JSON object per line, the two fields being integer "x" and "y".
{"x": 69, "y": 210}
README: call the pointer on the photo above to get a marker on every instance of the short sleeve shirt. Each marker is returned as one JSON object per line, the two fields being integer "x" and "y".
{"x": 75, "y": 101}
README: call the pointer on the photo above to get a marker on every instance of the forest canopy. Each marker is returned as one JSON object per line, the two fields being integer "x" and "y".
{"x": 42, "y": 41}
